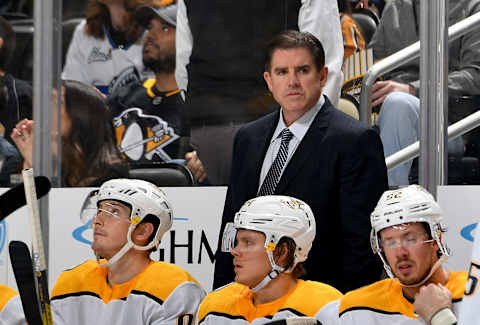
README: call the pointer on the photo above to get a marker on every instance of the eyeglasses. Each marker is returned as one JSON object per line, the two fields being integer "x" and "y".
{"x": 411, "y": 240}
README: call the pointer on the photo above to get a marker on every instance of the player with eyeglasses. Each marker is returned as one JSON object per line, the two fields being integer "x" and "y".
{"x": 407, "y": 236}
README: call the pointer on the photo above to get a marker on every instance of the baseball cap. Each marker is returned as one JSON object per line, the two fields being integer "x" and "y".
{"x": 168, "y": 14}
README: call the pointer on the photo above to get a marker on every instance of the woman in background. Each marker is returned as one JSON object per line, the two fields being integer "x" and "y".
{"x": 106, "y": 48}
{"x": 89, "y": 153}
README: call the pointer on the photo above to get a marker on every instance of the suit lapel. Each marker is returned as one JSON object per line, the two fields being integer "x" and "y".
{"x": 308, "y": 147}
{"x": 261, "y": 143}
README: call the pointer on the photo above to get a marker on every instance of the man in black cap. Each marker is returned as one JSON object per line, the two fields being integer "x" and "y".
{"x": 149, "y": 116}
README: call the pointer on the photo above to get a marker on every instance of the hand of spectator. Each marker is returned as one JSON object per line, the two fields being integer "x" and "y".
{"x": 195, "y": 165}
{"x": 381, "y": 89}
{"x": 23, "y": 136}
{"x": 431, "y": 299}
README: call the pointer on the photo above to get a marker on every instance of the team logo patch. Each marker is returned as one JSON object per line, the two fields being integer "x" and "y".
{"x": 96, "y": 55}
{"x": 143, "y": 137}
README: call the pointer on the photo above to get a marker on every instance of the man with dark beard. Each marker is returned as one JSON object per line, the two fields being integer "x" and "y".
{"x": 148, "y": 116}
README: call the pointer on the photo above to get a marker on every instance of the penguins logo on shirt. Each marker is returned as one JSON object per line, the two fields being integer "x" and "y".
{"x": 141, "y": 136}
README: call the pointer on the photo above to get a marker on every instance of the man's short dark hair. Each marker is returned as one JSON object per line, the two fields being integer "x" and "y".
{"x": 292, "y": 39}
{"x": 8, "y": 35}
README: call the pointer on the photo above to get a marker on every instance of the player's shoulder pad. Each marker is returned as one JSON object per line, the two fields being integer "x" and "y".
{"x": 372, "y": 296}
{"x": 161, "y": 279}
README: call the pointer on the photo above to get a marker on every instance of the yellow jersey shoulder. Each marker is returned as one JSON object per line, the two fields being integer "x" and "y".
{"x": 162, "y": 278}
{"x": 84, "y": 277}
{"x": 225, "y": 300}
{"x": 6, "y": 293}
{"x": 310, "y": 296}
{"x": 372, "y": 296}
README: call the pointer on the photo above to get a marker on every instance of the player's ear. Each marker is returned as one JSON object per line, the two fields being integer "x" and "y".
{"x": 280, "y": 254}
{"x": 143, "y": 232}
{"x": 1, "y": 42}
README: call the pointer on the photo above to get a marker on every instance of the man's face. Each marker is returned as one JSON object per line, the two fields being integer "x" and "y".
{"x": 159, "y": 47}
{"x": 250, "y": 258}
{"x": 295, "y": 81}
{"x": 407, "y": 253}
{"x": 110, "y": 228}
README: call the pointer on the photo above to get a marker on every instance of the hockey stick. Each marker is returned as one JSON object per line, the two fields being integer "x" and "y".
{"x": 14, "y": 198}
{"x": 23, "y": 271}
{"x": 39, "y": 260}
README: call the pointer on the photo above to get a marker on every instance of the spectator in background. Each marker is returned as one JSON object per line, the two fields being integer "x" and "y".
{"x": 89, "y": 154}
{"x": 220, "y": 55}
{"x": 269, "y": 239}
{"x": 106, "y": 49}
{"x": 11, "y": 310}
{"x": 15, "y": 94}
{"x": 154, "y": 107}
{"x": 352, "y": 37}
{"x": 398, "y": 94}
{"x": 310, "y": 150}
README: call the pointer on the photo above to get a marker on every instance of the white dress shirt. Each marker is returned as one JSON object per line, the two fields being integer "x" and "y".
{"x": 319, "y": 17}
{"x": 299, "y": 128}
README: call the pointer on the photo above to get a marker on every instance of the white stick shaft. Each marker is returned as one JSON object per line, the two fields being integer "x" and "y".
{"x": 35, "y": 227}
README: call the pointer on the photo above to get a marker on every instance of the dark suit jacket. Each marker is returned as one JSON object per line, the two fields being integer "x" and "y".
{"x": 339, "y": 170}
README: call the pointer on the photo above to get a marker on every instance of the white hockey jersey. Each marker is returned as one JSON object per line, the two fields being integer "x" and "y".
{"x": 101, "y": 62}
{"x": 11, "y": 311}
{"x": 232, "y": 304}
{"x": 162, "y": 293}
{"x": 383, "y": 302}
{"x": 468, "y": 314}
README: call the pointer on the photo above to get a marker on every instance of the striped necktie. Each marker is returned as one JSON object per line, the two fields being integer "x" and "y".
{"x": 273, "y": 175}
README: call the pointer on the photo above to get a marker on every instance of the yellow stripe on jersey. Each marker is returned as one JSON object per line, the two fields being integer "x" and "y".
{"x": 386, "y": 296}
{"x": 235, "y": 301}
{"x": 6, "y": 293}
{"x": 148, "y": 85}
{"x": 91, "y": 279}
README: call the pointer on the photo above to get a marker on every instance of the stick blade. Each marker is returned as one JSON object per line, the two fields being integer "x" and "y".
{"x": 14, "y": 198}
{"x": 25, "y": 277}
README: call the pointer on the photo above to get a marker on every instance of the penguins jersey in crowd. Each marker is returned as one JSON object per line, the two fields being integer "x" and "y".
{"x": 383, "y": 302}
{"x": 101, "y": 62}
{"x": 161, "y": 294}
{"x": 150, "y": 126}
{"x": 11, "y": 311}
{"x": 233, "y": 304}
{"x": 471, "y": 301}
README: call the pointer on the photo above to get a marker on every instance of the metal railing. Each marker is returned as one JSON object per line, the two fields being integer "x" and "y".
{"x": 401, "y": 57}
{"x": 455, "y": 130}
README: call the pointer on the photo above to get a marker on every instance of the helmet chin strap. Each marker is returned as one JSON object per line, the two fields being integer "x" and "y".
{"x": 130, "y": 244}
{"x": 432, "y": 270}
{"x": 276, "y": 270}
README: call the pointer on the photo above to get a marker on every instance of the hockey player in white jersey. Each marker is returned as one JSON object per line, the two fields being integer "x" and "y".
{"x": 407, "y": 235}
{"x": 269, "y": 239}
{"x": 123, "y": 285}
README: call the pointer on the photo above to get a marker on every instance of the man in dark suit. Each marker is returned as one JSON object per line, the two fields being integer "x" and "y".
{"x": 325, "y": 158}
